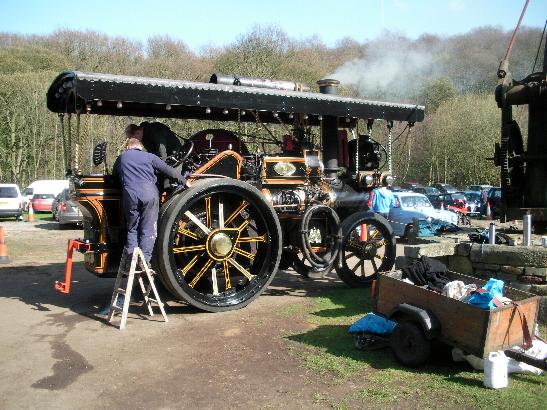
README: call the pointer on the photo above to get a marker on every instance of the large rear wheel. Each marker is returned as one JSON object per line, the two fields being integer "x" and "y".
{"x": 368, "y": 247}
{"x": 219, "y": 245}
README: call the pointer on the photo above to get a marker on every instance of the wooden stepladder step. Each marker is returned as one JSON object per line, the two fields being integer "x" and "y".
{"x": 138, "y": 269}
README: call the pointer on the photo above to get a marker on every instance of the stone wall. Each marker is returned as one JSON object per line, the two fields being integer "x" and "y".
{"x": 520, "y": 267}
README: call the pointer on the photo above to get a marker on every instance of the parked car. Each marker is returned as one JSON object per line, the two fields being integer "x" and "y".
{"x": 397, "y": 189}
{"x": 473, "y": 202}
{"x": 477, "y": 188}
{"x": 43, "y": 186}
{"x": 66, "y": 211}
{"x": 494, "y": 199}
{"x": 410, "y": 185}
{"x": 445, "y": 188}
{"x": 410, "y": 205}
{"x": 427, "y": 190}
{"x": 11, "y": 201}
{"x": 42, "y": 202}
{"x": 449, "y": 199}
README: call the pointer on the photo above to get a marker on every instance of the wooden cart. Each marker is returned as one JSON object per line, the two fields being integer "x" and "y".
{"x": 423, "y": 315}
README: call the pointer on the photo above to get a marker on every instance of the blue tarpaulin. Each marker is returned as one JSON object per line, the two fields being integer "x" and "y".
{"x": 372, "y": 323}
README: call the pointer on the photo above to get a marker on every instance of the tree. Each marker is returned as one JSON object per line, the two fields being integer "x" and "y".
{"x": 436, "y": 92}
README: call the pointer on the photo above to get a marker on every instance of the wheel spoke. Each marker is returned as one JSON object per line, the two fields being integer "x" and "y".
{"x": 188, "y": 233}
{"x": 214, "y": 280}
{"x": 196, "y": 220}
{"x": 356, "y": 266}
{"x": 200, "y": 273}
{"x": 246, "y": 239}
{"x": 227, "y": 274}
{"x": 184, "y": 249}
{"x": 374, "y": 265}
{"x": 220, "y": 214}
{"x": 363, "y": 274}
{"x": 208, "y": 218}
{"x": 350, "y": 255}
{"x": 379, "y": 244}
{"x": 243, "y": 225}
{"x": 374, "y": 233}
{"x": 189, "y": 265}
{"x": 234, "y": 214}
{"x": 241, "y": 269}
{"x": 241, "y": 252}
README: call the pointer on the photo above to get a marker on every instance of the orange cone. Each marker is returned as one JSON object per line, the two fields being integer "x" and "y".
{"x": 488, "y": 211}
{"x": 364, "y": 233}
{"x": 3, "y": 248}
{"x": 30, "y": 213}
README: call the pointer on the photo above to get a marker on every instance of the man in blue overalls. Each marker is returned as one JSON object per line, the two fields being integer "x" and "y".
{"x": 137, "y": 172}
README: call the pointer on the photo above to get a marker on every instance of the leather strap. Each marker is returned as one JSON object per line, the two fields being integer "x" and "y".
{"x": 525, "y": 331}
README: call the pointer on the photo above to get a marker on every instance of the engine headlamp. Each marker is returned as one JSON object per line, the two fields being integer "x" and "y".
{"x": 369, "y": 179}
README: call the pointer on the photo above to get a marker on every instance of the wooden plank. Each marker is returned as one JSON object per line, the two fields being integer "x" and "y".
{"x": 506, "y": 327}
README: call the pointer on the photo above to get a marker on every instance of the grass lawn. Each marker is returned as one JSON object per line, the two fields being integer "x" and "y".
{"x": 39, "y": 216}
{"x": 377, "y": 380}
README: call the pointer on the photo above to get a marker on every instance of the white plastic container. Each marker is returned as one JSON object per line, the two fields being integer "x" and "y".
{"x": 495, "y": 370}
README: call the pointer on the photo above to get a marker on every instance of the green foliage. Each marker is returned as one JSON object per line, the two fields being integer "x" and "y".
{"x": 436, "y": 92}
{"x": 459, "y": 138}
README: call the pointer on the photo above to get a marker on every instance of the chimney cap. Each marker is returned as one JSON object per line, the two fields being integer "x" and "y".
{"x": 328, "y": 81}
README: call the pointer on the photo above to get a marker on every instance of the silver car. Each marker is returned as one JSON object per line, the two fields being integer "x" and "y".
{"x": 410, "y": 205}
{"x": 65, "y": 211}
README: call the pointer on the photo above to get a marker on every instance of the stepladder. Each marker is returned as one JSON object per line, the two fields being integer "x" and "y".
{"x": 137, "y": 270}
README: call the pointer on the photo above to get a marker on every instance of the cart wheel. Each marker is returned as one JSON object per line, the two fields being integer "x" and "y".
{"x": 364, "y": 254}
{"x": 218, "y": 245}
{"x": 409, "y": 344}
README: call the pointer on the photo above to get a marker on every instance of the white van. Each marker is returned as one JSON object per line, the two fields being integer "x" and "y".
{"x": 11, "y": 201}
{"x": 44, "y": 186}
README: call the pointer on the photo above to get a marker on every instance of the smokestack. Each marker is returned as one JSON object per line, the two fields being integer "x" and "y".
{"x": 328, "y": 86}
{"x": 329, "y": 130}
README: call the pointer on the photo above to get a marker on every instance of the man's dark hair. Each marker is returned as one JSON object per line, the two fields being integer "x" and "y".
{"x": 131, "y": 129}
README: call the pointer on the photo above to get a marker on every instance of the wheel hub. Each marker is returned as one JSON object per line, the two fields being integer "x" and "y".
{"x": 220, "y": 244}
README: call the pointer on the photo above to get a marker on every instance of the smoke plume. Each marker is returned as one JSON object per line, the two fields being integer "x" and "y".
{"x": 392, "y": 67}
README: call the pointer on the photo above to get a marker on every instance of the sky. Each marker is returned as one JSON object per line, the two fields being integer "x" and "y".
{"x": 206, "y": 23}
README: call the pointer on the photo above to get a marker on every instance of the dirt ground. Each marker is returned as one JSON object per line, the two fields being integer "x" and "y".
{"x": 56, "y": 353}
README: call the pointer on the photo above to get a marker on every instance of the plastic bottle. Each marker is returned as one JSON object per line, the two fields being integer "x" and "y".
{"x": 495, "y": 370}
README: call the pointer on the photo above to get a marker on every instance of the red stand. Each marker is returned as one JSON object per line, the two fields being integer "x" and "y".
{"x": 80, "y": 246}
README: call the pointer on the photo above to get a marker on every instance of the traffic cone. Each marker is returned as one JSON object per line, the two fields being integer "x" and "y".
{"x": 364, "y": 233}
{"x": 3, "y": 248}
{"x": 488, "y": 211}
{"x": 30, "y": 213}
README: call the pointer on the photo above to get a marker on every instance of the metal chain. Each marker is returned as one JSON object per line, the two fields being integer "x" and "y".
{"x": 69, "y": 142}
{"x": 77, "y": 147}
{"x": 81, "y": 140}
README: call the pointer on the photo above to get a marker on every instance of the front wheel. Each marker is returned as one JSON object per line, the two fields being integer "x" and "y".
{"x": 368, "y": 247}
{"x": 219, "y": 245}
